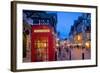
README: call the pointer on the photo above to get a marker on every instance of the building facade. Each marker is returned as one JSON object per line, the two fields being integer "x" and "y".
{"x": 80, "y": 32}
{"x": 26, "y": 42}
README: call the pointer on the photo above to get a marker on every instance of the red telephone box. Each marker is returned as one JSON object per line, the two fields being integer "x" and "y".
{"x": 43, "y": 43}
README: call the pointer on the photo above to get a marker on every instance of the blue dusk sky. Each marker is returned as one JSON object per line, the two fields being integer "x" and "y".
{"x": 65, "y": 21}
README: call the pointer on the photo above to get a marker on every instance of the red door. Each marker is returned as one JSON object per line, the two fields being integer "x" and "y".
{"x": 42, "y": 44}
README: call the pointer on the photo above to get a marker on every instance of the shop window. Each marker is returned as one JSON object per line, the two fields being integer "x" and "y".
{"x": 41, "y": 47}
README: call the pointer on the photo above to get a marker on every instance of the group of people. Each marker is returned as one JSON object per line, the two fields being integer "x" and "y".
{"x": 73, "y": 52}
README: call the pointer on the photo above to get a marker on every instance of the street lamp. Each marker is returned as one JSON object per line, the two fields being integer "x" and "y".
{"x": 57, "y": 42}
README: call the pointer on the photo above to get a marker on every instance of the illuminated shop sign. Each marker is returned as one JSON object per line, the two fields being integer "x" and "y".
{"x": 42, "y": 30}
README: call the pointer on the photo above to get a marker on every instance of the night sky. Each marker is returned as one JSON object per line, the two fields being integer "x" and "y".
{"x": 64, "y": 22}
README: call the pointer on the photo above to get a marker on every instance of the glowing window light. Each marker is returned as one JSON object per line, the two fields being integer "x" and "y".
{"x": 87, "y": 44}
{"x": 79, "y": 37}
